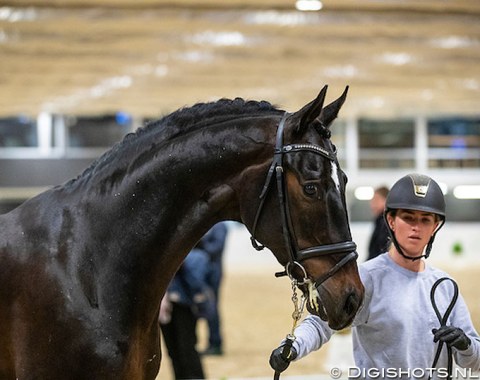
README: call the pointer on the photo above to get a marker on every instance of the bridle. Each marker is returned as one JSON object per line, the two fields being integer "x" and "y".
{"x": 296, "y": 256}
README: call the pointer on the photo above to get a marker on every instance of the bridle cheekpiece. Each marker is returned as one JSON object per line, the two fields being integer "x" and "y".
{"x": 296, "y": 256}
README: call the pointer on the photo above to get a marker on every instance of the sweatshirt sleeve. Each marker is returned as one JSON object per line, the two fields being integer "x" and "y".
{"x": 310, "y": 335}
{"x": 469, "y": 358}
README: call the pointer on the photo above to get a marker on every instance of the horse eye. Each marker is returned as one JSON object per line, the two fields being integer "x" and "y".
{"x": 310, "y": 189}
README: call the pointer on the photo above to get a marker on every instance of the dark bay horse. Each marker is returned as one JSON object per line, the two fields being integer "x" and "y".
{"x": 84, "y": 265}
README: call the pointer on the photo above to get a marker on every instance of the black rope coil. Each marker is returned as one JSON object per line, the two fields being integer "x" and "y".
{"x": 443, "y": 322}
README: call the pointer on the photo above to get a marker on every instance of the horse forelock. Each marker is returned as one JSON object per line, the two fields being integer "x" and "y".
{"x": 183, "y": 121}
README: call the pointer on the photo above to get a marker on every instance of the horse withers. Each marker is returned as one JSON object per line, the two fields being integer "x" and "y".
{"x": 84, "y": 265}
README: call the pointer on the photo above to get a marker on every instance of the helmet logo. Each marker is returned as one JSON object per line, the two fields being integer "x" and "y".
{"x": 420, "y": 184}
{"x": 420, "y": 190}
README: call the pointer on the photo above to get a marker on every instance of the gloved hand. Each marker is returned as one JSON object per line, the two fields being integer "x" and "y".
{"x": 452, "y": 336}
{"x": 277, "y": 360}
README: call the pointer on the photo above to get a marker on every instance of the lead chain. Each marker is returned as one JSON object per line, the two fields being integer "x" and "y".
{"x": 298, "y": 310}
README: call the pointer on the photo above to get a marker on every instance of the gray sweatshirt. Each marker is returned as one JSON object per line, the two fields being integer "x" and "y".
{"x": 393, "y": 329}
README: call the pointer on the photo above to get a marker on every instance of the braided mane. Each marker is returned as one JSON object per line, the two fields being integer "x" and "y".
{"x": 183, "y": 121}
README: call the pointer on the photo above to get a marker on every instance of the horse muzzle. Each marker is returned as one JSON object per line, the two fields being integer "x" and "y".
{"x": 338, "y": 310}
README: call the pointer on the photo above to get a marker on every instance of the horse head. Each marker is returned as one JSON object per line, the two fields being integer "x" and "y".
{"x": 303, "y": 202}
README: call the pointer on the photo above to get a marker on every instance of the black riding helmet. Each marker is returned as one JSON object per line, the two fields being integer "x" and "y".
{"x": 419, "y": 193}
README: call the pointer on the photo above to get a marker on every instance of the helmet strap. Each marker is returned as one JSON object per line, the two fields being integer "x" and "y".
{"x": 413, "y": 258}
{"x": 430, "y": 242}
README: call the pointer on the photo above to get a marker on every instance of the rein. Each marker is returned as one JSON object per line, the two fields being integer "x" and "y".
{"x": 443, "y": 322}
{"x": 296, "y": 256}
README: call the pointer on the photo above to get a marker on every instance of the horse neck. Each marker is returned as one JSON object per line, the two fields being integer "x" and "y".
{"x": 164, "y": 199}
{"x": 189, "y": 177}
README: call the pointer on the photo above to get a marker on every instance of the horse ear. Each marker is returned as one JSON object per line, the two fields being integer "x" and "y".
{"x": 330, "y": 112}
{"x": 310, "y": 112}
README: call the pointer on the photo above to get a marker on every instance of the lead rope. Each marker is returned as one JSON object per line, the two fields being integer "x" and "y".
{"x": 443, "y": 322}
{"x": 296, "y": 316}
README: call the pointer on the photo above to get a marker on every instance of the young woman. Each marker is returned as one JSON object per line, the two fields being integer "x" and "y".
{"x": 396, "y": 331}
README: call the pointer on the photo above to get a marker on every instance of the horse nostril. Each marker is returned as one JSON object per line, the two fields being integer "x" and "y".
{"x": 351, "y": 303}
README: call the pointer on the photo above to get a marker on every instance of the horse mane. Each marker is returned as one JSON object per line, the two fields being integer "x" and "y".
{"x": 183, "y": 121}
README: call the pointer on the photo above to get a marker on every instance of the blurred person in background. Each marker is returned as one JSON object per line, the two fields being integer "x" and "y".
{"x": 213, "y": 243}
{"x": 379, "y": 239}
{"x": 397, "y": 326}
{"x": 180, "y": 309}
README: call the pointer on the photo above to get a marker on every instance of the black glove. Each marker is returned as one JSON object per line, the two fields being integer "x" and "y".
{"x": 452, "y": 336}
{"x": 278, "y": 361}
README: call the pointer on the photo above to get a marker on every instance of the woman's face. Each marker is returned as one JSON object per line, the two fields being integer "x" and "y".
{"x": 413, "y": 229}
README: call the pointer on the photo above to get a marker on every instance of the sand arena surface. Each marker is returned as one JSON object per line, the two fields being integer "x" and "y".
{"x": 256, "y": 316}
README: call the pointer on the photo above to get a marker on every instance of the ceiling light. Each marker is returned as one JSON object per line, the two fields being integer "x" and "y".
{"x": 308, "y": 5}
{"x": 364, "y": 193}
{"x": 467, "y": 192}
